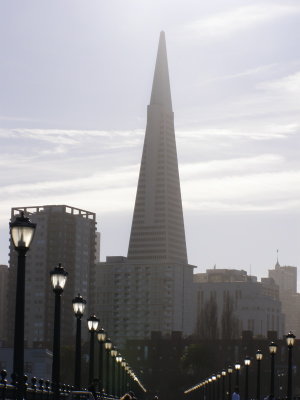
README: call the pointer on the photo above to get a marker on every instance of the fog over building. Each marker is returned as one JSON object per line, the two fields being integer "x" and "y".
{"x": 230, "y": 302}
{"x": 286, "y": 279}
{"x": 65, "y": 235}
{"x": 151, "y": 289}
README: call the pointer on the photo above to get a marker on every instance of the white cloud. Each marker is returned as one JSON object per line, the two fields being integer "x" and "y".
{"x": 259, "y": 132}
{"x": 261, "y": 69}
{"x": 238, "y": 19}
{"x": 233, "y": 166}
{"x": 255, "y": 191}
{"x": 74, "y": 137}
{"x": 290, "y": 83}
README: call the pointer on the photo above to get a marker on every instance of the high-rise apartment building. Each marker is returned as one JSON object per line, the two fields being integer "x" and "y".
{"x": 152, "y": 288}
{"x": 286, "y": 279}
{"x": 65, "y": 235}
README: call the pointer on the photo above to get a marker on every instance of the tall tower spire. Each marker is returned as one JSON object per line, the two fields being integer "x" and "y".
{"x": 157, "y": 232}
{"x": 161, "y": 92}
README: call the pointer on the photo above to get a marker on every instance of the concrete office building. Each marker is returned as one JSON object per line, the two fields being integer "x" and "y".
{"x": 286, "y": 279}
{"x": 65, "y": 235}
{"x": 151, "y": 289}
{"x": 229, "y": 302}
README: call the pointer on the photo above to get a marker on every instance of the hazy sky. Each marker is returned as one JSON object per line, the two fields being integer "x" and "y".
{"x": 75, "y": 80}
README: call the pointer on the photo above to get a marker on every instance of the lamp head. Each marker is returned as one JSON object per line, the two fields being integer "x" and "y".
{"x": 78, "y": 305}
{"x": 93, "y": 323}
{"x": 237, "y": 366}
{"x": 273, "y": 348}
{"x": 290, "y": 339}
{"x": 108, "y": 344}
{"x": 101, "y": 335}
{"x": 22, "y": 231}
{"x": 58, "y": 278}
{"x": 113, "y": 351}
{"x": 247, "y": 361}
{"x": 259, "y": 355}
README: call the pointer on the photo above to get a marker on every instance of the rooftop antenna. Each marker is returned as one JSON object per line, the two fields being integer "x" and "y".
{"x": 250, "y": 271}
{"x": 277, "y": 263}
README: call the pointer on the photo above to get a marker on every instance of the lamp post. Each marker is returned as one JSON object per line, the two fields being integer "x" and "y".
{"x": 21, "y": 232}
{"x": 101, "y": 336}
{"x": 247, "y": 363}
{"x": 230, "y": 371}
{"x": 273, "y": 349}
{"x": 214, "y": 379}
{"x": 207, "y": 389}
{"x": 78, "y": 306}
{"x": 58, "y": 279}
{"x": 107, "y": 346}
{"x": 290, "y": 341}
{"x": 123, "y": 365}
{"x": 126, "y": 378}
{"x": 118, "y": 385}
{"x": 224, "y": 373}
{"x": 237, "y": 367}
{"x": 93, "y": 323}
{"x": 210, "y": 391}
{"x": 113, "y": 354}
{"x": 259, "y": 357}
{"x": 219, "y": 376}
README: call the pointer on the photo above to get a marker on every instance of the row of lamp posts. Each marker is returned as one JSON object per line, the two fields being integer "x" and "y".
{"x": 58, "y": 277}
{"x": 211, "y": 389}
{"x": 22, "y": 232}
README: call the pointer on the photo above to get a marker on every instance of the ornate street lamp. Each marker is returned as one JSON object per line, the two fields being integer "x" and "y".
{"x": 290, "y": 341}
{"x": 113, "y": 354}
{"x": 237, "y": 367}
{"x": 123, "y": 365}
{"x": 21, "y": 231}
{"x": 93, "y": 323}
{"x": 58, "y": 278}
{"x": 79, "y": 304}
{"x": 126, "y": 377}
{"x": 259, "y": 357}
{"x": 107, "y": 346}
{"x": 101, "y": 336}
{"x": 230, "y": 371}
{"x": 247, "y": 363}
{"x": 210, "y": 391}
{"x": 218, "y": 385}
{"x": 272, "y": 349}
{"x": 224, "y": 373}
{"x": 118, "y": 385}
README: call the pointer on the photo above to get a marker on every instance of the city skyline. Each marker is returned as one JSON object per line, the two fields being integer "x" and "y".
{"x": 74, "y": 120}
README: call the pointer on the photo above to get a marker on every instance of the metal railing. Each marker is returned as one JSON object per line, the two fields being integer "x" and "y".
{"x": 38, "y": 389}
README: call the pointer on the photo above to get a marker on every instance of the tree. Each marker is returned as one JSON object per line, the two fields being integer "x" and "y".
{"x": 207, "y": 323}
{"x": 229, "y": 323}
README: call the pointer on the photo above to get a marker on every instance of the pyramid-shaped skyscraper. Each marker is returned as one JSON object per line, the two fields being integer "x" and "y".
{"x": 157, "y": 232}
{"x": 152, "y": 288}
